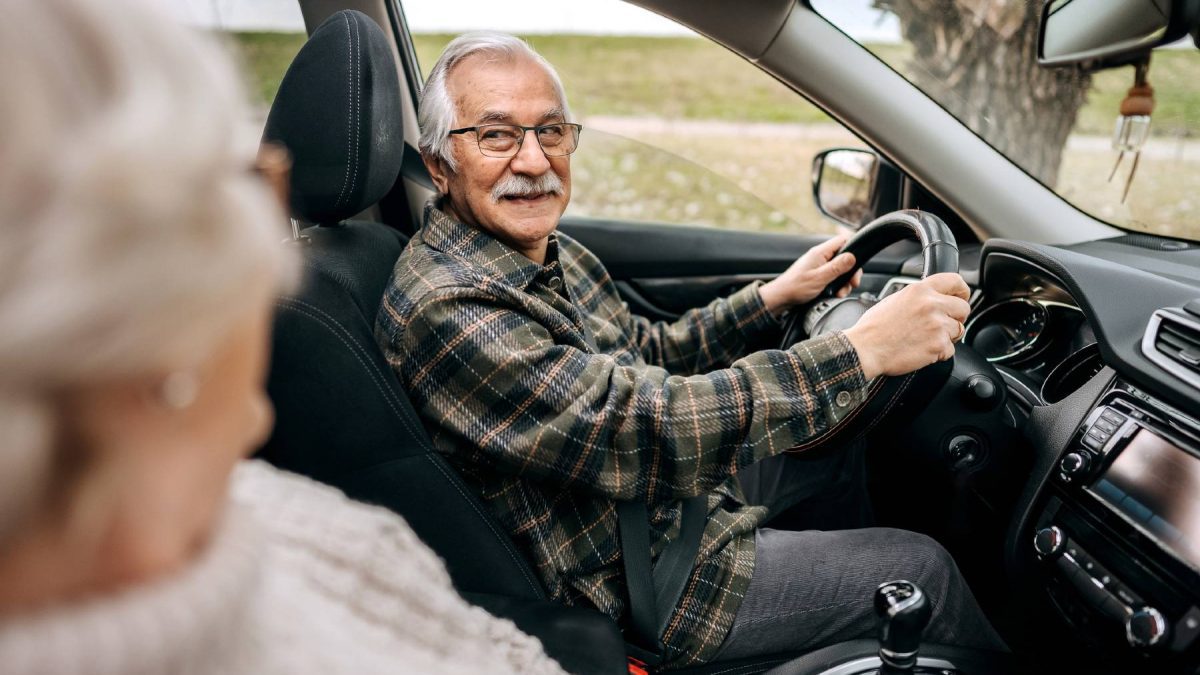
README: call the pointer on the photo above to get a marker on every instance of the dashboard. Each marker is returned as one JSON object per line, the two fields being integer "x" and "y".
{"x": 1098, "y": 358}
{"x": 1032, "y": 330}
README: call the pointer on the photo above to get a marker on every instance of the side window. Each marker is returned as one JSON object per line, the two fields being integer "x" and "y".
{"x": 677, "y": 129}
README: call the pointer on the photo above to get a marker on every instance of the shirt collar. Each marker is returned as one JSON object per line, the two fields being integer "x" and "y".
{"x": 446, "y": 234}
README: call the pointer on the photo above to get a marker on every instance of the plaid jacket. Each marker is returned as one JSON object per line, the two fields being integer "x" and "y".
{"x": 494, "y": 350}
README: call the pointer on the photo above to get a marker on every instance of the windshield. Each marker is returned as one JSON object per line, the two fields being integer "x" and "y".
{"x": 978, "y": 60}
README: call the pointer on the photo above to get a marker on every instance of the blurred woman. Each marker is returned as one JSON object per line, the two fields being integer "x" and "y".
{"x": 138, "y": 260}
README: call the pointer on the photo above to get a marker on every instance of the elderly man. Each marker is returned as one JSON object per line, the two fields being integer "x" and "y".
{"x": 556, "y": 403}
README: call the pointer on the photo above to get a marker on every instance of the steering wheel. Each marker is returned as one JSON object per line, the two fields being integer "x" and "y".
{"x": 885, "y": 395}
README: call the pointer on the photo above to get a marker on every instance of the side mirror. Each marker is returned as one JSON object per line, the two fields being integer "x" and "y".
{"x": 844, "y": 185}
{"x": 1105, "y": 33}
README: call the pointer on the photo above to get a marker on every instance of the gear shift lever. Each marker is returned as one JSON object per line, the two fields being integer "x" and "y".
{"x": 904, "y": 612}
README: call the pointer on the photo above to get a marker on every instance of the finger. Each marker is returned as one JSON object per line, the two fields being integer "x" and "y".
{"x": 844, "y": 291}
{"x": 947, "y": 350}
{"x": 829, "y": 248}
{"x": 954, "y": 329}
{"x": 956, "y": 308}
{"x": 836, "y": 267}
{"x": 856, "y": 279}
{"x": 949, "y": 283}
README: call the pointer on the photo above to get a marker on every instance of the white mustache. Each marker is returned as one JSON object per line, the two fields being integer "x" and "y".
{"x": 515, "y": 185}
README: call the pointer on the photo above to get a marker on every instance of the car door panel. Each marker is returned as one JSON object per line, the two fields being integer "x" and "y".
{"x": 664, "y": 270}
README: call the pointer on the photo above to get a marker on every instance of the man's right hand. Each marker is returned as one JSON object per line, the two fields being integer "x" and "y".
{"x": 912, "y": 328}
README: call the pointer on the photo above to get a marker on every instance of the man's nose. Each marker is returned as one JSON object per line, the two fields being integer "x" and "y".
{"x": 530, "y": 159}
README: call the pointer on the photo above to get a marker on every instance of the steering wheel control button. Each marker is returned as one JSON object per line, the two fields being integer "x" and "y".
{"x": 981, "y": 392}
{"x": 842, "y": 399}
{"x": 1049, "y": 541}
{"x": 1146, "y": 628}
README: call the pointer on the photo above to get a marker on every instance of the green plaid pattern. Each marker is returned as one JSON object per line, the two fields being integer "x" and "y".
{"x": 494, "y": 350}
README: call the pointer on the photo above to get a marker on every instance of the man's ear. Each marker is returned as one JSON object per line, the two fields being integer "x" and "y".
{"x": 438, "y": 171}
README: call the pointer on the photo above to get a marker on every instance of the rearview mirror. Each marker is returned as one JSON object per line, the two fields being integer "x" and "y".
{"x": 1104, "y": 33}
{"x": 844, "y": 183}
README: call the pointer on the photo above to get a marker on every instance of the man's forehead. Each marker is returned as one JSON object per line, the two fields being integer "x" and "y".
{"x": 503, "y": 89}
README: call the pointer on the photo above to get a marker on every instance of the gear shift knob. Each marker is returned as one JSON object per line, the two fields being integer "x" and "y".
{"x": 904, "y": 612}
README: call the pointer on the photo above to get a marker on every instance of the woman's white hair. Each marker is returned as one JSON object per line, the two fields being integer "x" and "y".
{"x": 437, "y": 112}
{"x": 131, "y": 225}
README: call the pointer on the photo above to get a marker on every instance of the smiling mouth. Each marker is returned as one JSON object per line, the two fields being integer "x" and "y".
{"x": 526, "y": 199}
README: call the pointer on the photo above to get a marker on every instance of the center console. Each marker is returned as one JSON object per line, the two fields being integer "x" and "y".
{"x": 1117, "y": 535}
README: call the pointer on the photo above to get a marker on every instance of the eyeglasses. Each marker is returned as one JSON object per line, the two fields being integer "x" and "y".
{"x": 504, "y": 140}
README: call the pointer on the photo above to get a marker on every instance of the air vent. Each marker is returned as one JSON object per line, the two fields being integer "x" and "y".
{"x": 1172, "y": 341}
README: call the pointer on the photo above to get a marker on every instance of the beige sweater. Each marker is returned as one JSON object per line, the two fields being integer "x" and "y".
{"x": 299, "y": 579}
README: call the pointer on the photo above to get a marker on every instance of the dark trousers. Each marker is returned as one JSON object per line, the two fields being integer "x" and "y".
{"x": 813, "y": 588}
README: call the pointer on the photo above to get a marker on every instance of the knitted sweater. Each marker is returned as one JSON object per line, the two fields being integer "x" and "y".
{"x": 297, "y": 579}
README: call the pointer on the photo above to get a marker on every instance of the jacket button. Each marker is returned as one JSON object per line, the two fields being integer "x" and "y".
{"x": 554, "y": 283}
{"x": 842, "y": 399}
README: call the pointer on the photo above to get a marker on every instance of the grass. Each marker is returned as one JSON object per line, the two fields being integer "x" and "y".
{"x": 681, "y": 78}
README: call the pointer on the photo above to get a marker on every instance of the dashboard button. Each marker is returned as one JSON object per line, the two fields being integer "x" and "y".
{"x": 1124, "y": 594}
{"x": 1186, "y": 630}
{"x": 1093, "y": 443}
{"x": 1146, "y": 627}
{"x": 1049, "y": 541}
{"x": 1114, "y": 608}
{"x": 1098, "y": 435}
{"x": 1112, "y": 416}
{"x": 1105, "y": 426}
{"x": 1075, "y": 464}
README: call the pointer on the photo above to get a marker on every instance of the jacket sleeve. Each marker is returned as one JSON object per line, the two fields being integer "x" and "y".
{"x": 492, "y": 378}
{"x": 704, "y": 338}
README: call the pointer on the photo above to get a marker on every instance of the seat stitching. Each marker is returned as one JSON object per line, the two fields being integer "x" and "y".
{"x": 349, "y": 102}
{"x": 358, "y": 77}
{"x": 328, "y": 322}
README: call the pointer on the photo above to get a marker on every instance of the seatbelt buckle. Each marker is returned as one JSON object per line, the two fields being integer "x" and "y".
{"x": 637, "y": 666}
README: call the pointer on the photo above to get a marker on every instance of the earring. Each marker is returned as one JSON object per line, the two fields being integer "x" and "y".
{"x": 179, "y": 390}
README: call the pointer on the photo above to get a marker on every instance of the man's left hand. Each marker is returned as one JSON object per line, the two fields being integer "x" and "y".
{"x": 808, "y": 276}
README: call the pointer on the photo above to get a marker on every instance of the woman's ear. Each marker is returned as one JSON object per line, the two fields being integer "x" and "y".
{"x": 438, "y": 171}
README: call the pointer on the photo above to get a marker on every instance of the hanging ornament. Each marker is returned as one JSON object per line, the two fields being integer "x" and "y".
{"x": 1133, "y": 124}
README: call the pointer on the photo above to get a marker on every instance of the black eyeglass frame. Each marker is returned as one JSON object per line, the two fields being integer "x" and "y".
{"x": 578, "y": 129}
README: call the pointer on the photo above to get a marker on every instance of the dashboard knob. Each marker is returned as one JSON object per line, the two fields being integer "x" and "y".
{"x": 1146, "y": 627}
{"x": 1075, "y": 464}
{"x": 1049, "y": 541}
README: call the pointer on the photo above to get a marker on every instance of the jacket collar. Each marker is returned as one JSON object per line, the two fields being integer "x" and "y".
{"x": 472, "y": 244}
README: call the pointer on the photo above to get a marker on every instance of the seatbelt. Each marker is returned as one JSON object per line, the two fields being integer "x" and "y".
{"x": 655, "y": 590}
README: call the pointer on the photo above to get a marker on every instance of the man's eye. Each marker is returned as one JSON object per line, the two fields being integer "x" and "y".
{"x": 553, "y": 133}
{"x": 498, "y": 135}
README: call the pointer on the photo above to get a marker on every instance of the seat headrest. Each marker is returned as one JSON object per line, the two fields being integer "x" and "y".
{"x": 338, "y": 113}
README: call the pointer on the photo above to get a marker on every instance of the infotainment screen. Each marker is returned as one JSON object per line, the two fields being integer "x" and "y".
{"x": 1157, "y": 485}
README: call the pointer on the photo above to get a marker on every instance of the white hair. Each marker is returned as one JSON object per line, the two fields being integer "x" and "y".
{"x": 437, "y": 113}
{"x": 131, "y": 225}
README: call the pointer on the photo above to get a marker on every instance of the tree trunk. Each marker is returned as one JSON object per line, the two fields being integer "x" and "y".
{"x": 978, "y": 59}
